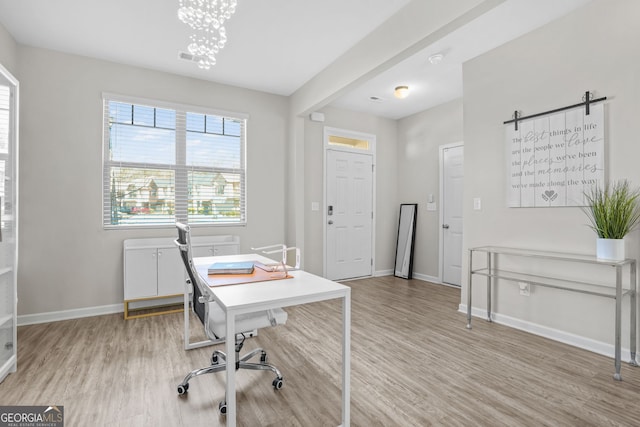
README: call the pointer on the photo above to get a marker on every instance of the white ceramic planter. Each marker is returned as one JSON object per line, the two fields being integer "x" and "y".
{"x": 610, "y": 249}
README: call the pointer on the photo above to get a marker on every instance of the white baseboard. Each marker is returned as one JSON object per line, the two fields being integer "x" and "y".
{"x": 427, "y": 278}
{"x": 553, "y": 334}
{"x": 381, "y": 273}
{"x": 77, "y": 313}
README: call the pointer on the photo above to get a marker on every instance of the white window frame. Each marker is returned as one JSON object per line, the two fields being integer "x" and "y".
{"x": 181, "y": 196}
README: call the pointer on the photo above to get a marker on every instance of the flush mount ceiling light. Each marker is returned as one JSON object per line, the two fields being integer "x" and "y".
{"x": 207, "y": 18}
{"x": 401, "y": 92}
{"x": 436, "y": 58}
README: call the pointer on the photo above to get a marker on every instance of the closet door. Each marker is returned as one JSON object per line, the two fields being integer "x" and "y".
{"x": 8, "y": 220}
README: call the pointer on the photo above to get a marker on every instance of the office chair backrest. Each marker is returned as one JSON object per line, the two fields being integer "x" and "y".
{"x": 199, "y": 288}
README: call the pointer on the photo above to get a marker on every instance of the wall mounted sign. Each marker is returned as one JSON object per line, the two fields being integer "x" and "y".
{"x": 553, "y": 160}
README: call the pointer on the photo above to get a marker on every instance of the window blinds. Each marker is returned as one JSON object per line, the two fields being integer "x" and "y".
{"x": 164, "y": 163}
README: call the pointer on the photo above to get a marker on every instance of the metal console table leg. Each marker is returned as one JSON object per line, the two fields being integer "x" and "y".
{"x": 489, "y": 283}
{"x": 617, "y": 376}
{"x": 632, "y": 314}
{"x": 469, "y": 274}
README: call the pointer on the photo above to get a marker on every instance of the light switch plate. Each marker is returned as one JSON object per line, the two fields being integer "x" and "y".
{"x": 477, "y": 204}
{"x": 315, "y": 206}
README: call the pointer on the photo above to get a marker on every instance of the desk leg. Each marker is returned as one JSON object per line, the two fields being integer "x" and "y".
{"x": 617, "y": 375}
{"x": 346, "y": 359}
{"x": 489, "y": 280}
{"x": 632, "y": 315}
{"x": 469, "y": 276}
{"x": 230, "y": 396}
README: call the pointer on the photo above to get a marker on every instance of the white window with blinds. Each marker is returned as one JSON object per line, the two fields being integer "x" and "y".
{"x": 165, "y": 163}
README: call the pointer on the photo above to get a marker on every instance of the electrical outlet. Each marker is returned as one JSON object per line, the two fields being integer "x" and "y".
{"x": 524, "y": 289}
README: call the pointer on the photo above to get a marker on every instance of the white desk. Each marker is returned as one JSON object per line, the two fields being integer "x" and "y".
{"x": 303, "y": 288}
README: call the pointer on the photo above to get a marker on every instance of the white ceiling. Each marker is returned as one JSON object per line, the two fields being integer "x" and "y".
{"x": 432, "y": 85}
{"x": 274, "y": 46}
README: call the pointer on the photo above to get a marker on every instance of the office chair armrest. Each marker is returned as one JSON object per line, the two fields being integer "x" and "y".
{"x": 181, "y": 246}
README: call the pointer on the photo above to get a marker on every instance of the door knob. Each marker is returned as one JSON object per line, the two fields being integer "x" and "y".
{"x": 445, "y": 226}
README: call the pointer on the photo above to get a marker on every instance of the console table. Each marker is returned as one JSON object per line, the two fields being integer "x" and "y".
{"x": 616, "y": 292}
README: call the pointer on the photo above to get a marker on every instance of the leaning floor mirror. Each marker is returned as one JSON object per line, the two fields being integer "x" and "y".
{"x": 406, "y": 240}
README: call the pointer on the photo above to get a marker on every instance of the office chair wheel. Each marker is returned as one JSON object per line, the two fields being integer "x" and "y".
{"x": 278, "y": 383}
{"x": 222, "y": 407}
{"x": 263, "y": 357}
{"x": 182, "y": 389}
{"x": 214, "y": 359}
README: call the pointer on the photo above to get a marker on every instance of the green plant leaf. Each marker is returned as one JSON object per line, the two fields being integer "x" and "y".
{"x": 613, "y": 211}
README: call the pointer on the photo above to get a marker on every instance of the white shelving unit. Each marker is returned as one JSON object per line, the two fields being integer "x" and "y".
{"x": 8, "y": 222}
{"x": 153, "y": 269}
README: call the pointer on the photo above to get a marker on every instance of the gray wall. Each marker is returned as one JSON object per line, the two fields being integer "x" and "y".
{"x": 594, "y": 48}
{"x": 8, "y": 50}
{"x": 415, "y": 27}
{"x": 407, "y": 171}
{"x": 386, "y": 184}
{"x": 67, "y": 260}
{"x": 419, "y": 139}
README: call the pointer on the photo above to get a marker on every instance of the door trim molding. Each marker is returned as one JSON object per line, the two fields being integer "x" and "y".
{"x": 331, "y": 131}
{"x": 441, "y": 150}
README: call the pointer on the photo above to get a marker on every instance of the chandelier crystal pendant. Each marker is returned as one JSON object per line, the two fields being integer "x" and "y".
{"x": 207, "y": 18}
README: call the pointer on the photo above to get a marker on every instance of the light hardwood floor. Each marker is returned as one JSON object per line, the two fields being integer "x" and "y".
{"x": 413, "y": 364}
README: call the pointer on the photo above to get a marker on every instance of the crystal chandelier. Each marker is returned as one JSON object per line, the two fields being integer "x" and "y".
{"x": 207, "y": 18}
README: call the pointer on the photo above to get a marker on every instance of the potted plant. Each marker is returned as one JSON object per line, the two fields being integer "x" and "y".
{"x": 613, "y": 212}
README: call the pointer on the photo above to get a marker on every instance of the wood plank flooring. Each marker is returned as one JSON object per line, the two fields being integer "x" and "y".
{"x": 413, "y": 364}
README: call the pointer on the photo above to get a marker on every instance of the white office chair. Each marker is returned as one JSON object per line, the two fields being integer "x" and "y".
{"x": 213, "y": 319}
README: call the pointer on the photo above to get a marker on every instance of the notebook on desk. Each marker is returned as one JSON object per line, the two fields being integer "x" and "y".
{"x": 245, "y": 267}
{"x": 258, "y": 275}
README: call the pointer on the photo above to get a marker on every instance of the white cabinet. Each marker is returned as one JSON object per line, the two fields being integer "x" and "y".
{"x": 213, "y": 250}
{"x": 153, "y": 268}
{"x": 152, "y": 272}
{"x": 140, "y": 273}
{"x": 171, "y": 272}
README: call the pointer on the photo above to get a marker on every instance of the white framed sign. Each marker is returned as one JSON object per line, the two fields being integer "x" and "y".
{"x": 553, "y": 160}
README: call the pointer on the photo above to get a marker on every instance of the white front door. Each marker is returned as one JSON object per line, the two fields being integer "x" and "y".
{"x": 452, "y": 189}
{"x": 348, "y": 215}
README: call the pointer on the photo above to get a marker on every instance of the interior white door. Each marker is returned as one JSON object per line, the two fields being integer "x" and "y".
{"x": 453, "y": 175}
{"x": 349, "y": 212}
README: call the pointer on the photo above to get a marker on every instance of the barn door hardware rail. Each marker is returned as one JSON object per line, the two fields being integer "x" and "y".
{"x": 587, "y": 100}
